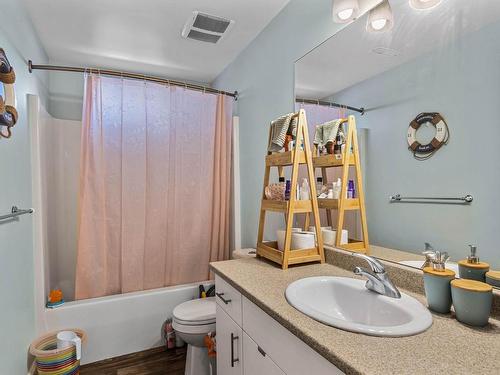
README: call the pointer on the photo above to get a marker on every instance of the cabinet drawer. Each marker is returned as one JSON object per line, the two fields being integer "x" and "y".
{"x": 229, "y": 344}
{"x": 228, "y": 298}
{"x": 256, "y": 360}
{"x": 292, "y": 355}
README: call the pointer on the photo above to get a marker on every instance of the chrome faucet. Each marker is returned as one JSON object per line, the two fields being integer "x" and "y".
{"x": 378, "y": 280}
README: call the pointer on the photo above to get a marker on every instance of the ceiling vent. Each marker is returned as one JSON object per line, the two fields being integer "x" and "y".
{"x": 206, "y": 28}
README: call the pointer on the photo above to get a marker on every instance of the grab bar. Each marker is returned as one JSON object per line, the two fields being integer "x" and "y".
{"x": 398, "y": 198}
{"x": 14, "y": 212}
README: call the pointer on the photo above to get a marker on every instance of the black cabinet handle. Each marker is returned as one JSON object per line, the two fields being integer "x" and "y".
{"x": 233, "y": 360}
{"x": 226, "y": 301}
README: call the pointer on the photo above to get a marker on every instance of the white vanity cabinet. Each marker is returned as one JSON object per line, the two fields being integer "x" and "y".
{"x": 263, "y": 346}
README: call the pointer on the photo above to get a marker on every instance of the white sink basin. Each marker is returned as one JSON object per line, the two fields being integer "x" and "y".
{"x": 345, "y": 303}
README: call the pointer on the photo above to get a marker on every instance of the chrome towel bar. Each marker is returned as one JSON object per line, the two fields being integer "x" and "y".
{"x": 398, "y": 198}
{"x": 16, "y": 212}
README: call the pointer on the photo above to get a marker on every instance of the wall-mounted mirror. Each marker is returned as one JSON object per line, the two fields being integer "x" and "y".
{"x": 442, "y": 60}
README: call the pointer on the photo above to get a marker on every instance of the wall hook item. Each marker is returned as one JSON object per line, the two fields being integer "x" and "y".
{"x": 441, "y": 137}
{"x": 8, "y": 112}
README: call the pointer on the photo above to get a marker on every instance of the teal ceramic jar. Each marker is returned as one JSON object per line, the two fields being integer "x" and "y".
{"x": 438, "y": 289}
{"x": 473, "y": 271}
{"x": 472, "y": 301}
{"x": 493, "y": 278}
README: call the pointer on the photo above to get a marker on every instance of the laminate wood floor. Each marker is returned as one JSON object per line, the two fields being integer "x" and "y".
{"x": 158, "y": 361}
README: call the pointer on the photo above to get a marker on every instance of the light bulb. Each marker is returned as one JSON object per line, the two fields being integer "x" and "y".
{"x": 424, "y": 4}
{"x": 379, "y": 24}
{"x": 344, "y": 11}
{"x": 345, "y": 14}
{"x": 380, "y": 18}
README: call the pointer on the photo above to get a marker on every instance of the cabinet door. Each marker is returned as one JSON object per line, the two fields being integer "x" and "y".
{"x": 257, "y": 362}
{"x": 229, "y": 345}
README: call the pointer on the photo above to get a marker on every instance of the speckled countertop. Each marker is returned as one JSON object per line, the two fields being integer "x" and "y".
{"x": 447, "y": 347}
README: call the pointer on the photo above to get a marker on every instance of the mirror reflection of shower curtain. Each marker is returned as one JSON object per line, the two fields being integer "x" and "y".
{"x": 154, "y": 186}
{"x": 317, "y": 115}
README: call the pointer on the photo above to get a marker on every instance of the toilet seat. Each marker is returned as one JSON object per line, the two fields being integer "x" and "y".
{"x": 198, "y": 312}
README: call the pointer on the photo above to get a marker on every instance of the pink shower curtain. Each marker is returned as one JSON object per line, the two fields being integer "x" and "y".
{"x": 154, "y": 186}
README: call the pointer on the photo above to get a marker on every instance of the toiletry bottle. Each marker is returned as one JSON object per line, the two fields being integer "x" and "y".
{"x": 350, "y": 190}
{"x": 337, "y": 149}
{"x": 330, "y": 194}
{"x": 287, "y": 190}
{"x": 304, "y": 190}
{"x": 319, "y": 186}
{"x": 282, "y": 184}
{"x": 472, "y": 268}
{"x": 337, "y": 188}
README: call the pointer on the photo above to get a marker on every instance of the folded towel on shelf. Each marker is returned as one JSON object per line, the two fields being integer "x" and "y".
{"x": 283, "y": 125}
{"x": 327, "y": 132}
{"x": 318, "y": 135}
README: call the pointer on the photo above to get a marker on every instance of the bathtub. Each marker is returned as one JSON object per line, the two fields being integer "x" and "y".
{"x": 115, "y": 325}
{"x": 120, "y": 324}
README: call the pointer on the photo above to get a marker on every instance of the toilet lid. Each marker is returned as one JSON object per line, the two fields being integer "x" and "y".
{"x": 197, "y": 311}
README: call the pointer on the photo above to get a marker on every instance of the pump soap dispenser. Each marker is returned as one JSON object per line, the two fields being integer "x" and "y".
{"x": 471, "y": 268}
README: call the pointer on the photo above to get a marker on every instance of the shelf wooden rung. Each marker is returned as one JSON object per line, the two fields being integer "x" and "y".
{"x": 330, "y": 161}
{"x": 270, "y": 251}
{"x": 357, "y": 246}
{"x": 304, "y": 259}
{"x": 281, "y": 159}
{"x": 300, "y": 206}
{"x": 349, "y": 204}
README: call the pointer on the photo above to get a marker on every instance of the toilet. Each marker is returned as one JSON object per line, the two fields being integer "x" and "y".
{"x": 192, "y": 321}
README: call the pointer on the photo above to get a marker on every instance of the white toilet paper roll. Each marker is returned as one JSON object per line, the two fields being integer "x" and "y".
{"x": 280, "y": 235}
{"x": 303, "y": 240}
{"x": 329, "y": 237}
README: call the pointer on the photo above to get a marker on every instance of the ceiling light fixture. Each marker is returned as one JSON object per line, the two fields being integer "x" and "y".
{"x": 380, "y": 18}
{"x": 424, "y": 4}
{"x": 344, "y": 11}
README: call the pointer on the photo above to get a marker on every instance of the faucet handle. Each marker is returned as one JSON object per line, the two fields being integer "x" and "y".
{"x": 375, "y": 265}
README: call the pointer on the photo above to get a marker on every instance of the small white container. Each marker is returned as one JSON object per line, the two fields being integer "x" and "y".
{"x": 303, "y": 240}
{"x": 329, "y": 237}
{"x": 280, "y": 235}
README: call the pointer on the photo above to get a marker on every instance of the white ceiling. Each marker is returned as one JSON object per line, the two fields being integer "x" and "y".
{"x": 347, "y": 57}
{"x": 145, "y": 36}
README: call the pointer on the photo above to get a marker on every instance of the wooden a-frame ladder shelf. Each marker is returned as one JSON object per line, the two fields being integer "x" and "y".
{"x": 344, "y": 204}
{"x": 292, "y": 206}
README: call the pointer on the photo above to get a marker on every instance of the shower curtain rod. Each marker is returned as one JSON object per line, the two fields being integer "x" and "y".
{"x": 330, "y": 104}
{"x": 116, "y": 73}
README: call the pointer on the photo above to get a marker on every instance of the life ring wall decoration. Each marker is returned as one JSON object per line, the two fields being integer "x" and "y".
{"x": 8, "y": 112}
{"x": 441, "y": 137}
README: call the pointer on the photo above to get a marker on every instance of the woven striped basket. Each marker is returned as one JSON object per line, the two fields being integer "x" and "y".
{"x": 52, "y": 361}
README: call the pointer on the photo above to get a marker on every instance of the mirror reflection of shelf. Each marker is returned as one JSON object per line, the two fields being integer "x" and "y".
{"x": 349, "y": 157}
{"x": 327, "y": 161}
{"x": 349, "y": 204}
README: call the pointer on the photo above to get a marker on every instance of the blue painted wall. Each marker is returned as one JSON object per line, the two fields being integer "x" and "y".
{"x": 17, "y": 315}
{"x": 263, "y": 74}
{"x": 462, "y": 82}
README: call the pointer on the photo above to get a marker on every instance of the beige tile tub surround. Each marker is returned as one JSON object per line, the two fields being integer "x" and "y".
{"x": 447, "y": 347}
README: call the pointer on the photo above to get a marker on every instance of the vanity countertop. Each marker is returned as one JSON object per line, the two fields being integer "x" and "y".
{"x": 446, "y": 347}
